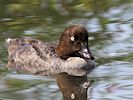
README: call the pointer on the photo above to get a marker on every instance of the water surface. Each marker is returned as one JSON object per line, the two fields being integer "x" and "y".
{"x": 110, "y": 27}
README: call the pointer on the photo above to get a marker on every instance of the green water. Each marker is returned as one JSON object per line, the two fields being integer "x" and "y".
{"x": 110, "y": 27}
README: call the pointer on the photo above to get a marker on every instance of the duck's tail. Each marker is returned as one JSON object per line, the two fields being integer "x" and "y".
{"x": 11, "y": 45}
{"x": 8, "y": 40}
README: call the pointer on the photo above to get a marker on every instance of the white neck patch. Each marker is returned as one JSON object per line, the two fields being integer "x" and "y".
{"x": 72, "y": 38}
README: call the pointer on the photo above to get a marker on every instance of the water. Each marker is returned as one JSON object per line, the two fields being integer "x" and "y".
{"x": 110, "y": 26}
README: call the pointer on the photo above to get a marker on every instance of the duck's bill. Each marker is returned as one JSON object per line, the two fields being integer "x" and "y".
{"x": 85, "y": 53}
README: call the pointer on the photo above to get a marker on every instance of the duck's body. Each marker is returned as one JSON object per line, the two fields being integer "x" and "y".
{"x": 37, "y": 57}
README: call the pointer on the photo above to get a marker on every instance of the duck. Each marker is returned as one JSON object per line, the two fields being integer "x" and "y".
{"x": 70, "y": 55}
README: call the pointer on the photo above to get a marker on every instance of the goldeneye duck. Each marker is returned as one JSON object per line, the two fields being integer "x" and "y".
{"x": 71, "y": 55}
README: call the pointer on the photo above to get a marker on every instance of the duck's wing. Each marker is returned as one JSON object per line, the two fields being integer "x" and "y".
{"x": 43, "y": 49}
{"x": 32, "y": 56}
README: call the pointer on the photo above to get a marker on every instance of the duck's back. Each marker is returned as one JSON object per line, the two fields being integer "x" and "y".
{"x": 42, "y": 48}
{"x": 27, "y": 53}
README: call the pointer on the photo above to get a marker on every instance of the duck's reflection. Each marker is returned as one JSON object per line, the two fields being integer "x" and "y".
{"x": 73, "y": 87}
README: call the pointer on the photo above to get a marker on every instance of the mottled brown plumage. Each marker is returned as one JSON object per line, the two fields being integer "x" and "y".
{"x": 37, "y": 57}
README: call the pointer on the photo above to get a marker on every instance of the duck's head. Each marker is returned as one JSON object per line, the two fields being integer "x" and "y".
{"x": 74, "y": 43}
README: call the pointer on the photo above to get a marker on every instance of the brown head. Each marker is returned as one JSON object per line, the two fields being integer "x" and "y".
{"x": 74, "y": 43}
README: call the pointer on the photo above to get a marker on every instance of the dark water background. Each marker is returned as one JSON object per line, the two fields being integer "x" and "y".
{"x": 110, "y": 26}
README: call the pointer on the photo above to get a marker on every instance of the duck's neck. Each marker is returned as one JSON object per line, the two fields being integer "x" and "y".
{"x": 65, "y": 52}
{"x": 62, "y": 51}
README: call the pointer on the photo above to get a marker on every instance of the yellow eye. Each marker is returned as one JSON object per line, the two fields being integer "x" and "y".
{"x": 72, "y": 38}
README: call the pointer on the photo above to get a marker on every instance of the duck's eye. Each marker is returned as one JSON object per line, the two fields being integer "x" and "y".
{"x": 72, "y": 38}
